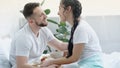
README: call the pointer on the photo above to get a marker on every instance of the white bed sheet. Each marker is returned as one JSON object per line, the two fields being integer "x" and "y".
{"x": 109, "y": 60}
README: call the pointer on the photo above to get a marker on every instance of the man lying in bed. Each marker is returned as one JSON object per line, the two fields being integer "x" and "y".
{"x": 29, "y": 43}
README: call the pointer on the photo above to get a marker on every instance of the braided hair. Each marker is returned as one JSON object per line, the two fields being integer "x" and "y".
{"x": 77, "y": 10}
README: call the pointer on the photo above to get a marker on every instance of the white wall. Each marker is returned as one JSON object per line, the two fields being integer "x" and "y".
{"x": 90, "y": 7}
{"x": 101, "y": 7}
{"x": 9, "y": 10}
{"x": 9, "y": 14}
{"x": 107, "y": 28}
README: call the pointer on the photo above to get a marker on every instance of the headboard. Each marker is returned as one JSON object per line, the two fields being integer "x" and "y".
{"x": 107, "y": 28}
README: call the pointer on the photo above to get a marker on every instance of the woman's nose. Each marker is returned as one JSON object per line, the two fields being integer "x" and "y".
{"x": 58, "y": 13}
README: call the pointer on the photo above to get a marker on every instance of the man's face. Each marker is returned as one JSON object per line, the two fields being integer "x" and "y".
{"x": 39, "y": 17}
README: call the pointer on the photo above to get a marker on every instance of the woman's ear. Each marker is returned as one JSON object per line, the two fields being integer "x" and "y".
{"x": 69, "y": 9}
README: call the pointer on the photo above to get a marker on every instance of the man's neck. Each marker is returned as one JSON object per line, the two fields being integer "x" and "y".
{"x": 35, "y": 30}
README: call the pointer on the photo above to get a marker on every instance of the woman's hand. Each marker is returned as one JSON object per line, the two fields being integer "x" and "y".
{"x": 46, "y": 63}
{"x": 65, "y": 53}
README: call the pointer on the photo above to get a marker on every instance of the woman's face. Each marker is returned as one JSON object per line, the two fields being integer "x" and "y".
{"x": 62, "y": 13}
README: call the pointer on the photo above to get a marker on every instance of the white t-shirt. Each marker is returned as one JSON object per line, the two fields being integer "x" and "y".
{"x": 25, "y": 43}
{"x": 85, "y": 34}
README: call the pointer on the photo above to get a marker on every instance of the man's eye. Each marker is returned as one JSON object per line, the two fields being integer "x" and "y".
{"x": 40, "y": 15}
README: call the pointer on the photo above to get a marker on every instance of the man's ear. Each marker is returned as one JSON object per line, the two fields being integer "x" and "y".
{"x": 30, "y": 20}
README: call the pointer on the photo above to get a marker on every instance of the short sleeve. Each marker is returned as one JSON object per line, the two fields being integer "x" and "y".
{"x": 80, "y": 36}
{"x": 23, "y": 46}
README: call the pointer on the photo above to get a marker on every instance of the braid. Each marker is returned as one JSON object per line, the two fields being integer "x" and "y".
{"x": 77, "y": 10}
{"x": 70, "y": 45}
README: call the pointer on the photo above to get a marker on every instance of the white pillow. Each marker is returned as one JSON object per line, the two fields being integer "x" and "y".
{"x": 4, "y": 52}
{"x": 5, "y": 44}
{"x": 4, "y": 62}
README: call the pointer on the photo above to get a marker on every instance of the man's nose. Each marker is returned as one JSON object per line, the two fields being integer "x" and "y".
{"x": 45, "y": 16}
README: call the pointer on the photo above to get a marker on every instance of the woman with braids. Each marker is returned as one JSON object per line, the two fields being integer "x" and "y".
{"x": 83, "y": 44}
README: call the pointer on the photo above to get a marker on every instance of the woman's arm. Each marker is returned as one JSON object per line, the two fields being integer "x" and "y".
{"x": 77, "y": 51}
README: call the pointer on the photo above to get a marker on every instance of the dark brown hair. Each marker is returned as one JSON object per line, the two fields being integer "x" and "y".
{"x": 77, "y": 10}
{"x": 28, "y": 9}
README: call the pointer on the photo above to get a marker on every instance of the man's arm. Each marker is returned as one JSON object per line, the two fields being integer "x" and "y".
{"x": 59, "y": 45}
{"x": 22, "y": 62}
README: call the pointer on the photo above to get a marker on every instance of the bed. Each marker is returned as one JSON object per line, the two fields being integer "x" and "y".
{"x": 4, "y": 52}
{"x": 111, "y": 60}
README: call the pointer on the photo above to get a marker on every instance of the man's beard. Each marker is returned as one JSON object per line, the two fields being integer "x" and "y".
{"x": 41, "y": 24}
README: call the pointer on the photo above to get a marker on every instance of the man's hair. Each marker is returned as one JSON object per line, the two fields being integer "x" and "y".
{"x": 28, "y": 9}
